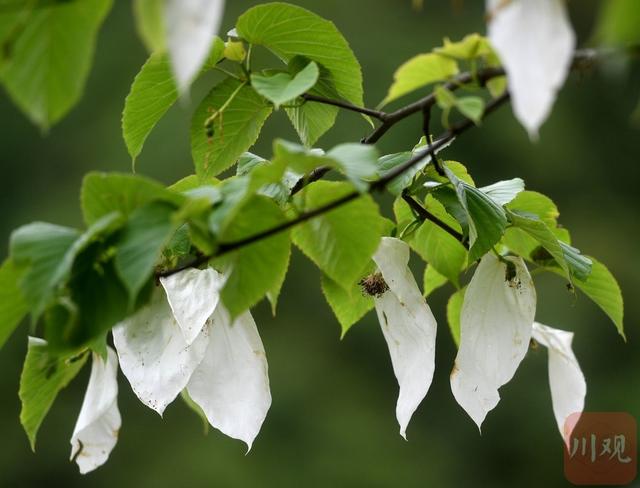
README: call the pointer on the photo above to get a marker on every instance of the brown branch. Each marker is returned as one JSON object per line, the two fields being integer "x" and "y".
{"x": 424, "y": 214}
{"x": 376, "y": 114}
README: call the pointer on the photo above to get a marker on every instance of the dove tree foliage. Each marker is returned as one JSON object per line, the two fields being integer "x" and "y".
{"x": 161, "y": 281}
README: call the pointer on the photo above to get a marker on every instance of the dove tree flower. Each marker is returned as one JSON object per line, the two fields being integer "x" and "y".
{"x": 535, "y": 42}
{"x": 408, "y": 326}
{"x": 495, "y": 330}
{"x": 566, "y": 381}
{"x": 191, "y": 26}
{"x": 96, "y": 431}
{"x": 187, "y": 339}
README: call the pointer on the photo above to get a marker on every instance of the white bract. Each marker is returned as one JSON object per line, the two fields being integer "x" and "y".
{"x": 495, "y": 329}
{"x": 408, "y": 326}
{"x": 96, "y": 431}
{"x": 535, "y": 42}
{"x": 154, "y": 355}
{"x": 224, "y": 367}
{"x": 231, "y": 384}
{"x": 193, "y": 295}
{"x": 567, "y": 383}
{"x": 191, "y": 26}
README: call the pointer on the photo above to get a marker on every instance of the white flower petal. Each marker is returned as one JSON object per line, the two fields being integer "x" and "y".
{"x": 495, "y": 329}
{"x": 408, "y": 326}
{"x": 191, "y": 26}
{"x": 567, "y": 383}
{"x": 535, "y": 42}
{"x": 193, "y": 295}
{"x": 96, "y": 431}
{"x": 231, "y": 384}
{"x": 154, "y": 355}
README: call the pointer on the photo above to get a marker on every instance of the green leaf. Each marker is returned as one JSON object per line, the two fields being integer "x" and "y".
{"x": 148, "y": 15}
{"x": 152, "y": 93}
{"x": 42, "y": 250}
{"x": 432, "y": 280}
{"x": 420, "y": 71}
{"x": 439, "y": 248}
{"x": 98, "y": 301}
{"x": 239, "y": 114}
{"x": 44, "y": 374}
{"x": 290, "y": 31}
{"x": 282, "y": 87}
{"x": 104, "y": 193}
{"x": 454, "y": 306}
{"x": 149, "y": 228}
{"x": 531, "y": 202}
{"x": 602, "y": 287}
{"x": 486, "y": 219}
{"x": 312, "y": 119}
{"x": 348, "y": 304}
{"x": 567, "y": 257}
{"x": 259, "y": 267}
{"x": 341, "y": 241}
{"x": 357, "y": 162}
{"x": 51, "y": 58}
{"x": 471, "y": 107}
{"x": 13, "y": 306}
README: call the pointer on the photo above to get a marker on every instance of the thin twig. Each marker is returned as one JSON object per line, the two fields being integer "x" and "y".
{"x": 424, "y": 214}
{"x": 376, "y": 114}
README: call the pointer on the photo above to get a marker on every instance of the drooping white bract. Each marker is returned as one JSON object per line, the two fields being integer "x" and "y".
{"x": 231, "y": 384}
{"x": 96, "y": 431}
{"x": 567, "y": 383}
{"x": 408, "y": 326}
{"x": 154, "y": 355}
{"x": 495, "y": 329}
{"x": 535, "y": 42}
{"x": 193, "y": 295}
{"x": 190, "y": 26}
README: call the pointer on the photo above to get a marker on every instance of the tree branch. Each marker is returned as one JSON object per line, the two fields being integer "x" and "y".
{"x": 377, "y": 114}
{"x": 377, "y": 185}
{"x": 424, "y": 214}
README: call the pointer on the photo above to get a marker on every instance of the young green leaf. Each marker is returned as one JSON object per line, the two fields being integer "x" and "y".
{"x": 44, "y": 374}
{"x": 51, "y": 58}
{"x": 282, "y": 87}
{"x": 420, "y": 71}
{"x": 342, "y": 241}
{"x": 290, "y": 31}
{"x": 225, "y": 125}
{"x": 259, "y": 267}
{"x": 470, "y": 47}
{"x": 531, "y": 202}
{"x": 505, "y": 191}
{"x": 13, "y": 306}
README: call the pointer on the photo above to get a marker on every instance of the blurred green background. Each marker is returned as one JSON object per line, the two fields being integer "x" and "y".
{"x": 332, "y": 422}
